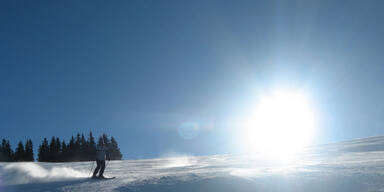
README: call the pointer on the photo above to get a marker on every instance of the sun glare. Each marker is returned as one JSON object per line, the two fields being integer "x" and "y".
{"x": 282, "y": 125}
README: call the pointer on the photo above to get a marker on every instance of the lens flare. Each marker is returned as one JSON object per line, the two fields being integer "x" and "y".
{"x": 189, "y": 130}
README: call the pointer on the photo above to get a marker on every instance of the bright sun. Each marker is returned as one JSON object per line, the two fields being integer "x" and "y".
{"x": 281, "y": 125}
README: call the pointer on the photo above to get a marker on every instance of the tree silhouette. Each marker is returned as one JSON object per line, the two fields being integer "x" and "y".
{"x": 6, "y": 152}
{"x": 114, "y": 152}
{"x": 29, "y": 156}
{"x": 78, "y": 149}
{"x": 43, "y": 151}
{"x": 63, "y": 152}
{"x": 20, "y": 152}
{"x": 91, "y": 147}
{"x": 71, "y": 150}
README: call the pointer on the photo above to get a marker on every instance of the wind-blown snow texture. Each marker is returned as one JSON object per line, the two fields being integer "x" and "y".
{"x": 356, "y": 165}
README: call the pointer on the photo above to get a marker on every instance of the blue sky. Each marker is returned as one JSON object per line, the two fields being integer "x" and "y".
{"x": 143, "y": 70}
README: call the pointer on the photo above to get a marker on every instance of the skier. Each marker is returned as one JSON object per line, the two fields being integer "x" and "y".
{"x": 101, "y": 154}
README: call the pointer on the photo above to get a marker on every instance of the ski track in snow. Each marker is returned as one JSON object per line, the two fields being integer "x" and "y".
{"x": 356, "y": 165}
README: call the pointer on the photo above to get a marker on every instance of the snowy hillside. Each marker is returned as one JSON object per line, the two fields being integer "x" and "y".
{"x": 356, "y": 165}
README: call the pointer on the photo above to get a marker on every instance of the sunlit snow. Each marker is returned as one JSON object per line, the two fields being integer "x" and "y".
{"x": 356, "y": 165}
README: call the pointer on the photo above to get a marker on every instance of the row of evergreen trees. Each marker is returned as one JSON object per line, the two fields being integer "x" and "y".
{"x": 22, "y": 153}
{"x": 78, "y": 148}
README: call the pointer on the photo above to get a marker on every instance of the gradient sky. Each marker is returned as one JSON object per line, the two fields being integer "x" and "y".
{"x": 144, "y": 70}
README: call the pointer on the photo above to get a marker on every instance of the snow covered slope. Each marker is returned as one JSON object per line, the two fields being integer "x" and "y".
{"x": 356, "y": 165}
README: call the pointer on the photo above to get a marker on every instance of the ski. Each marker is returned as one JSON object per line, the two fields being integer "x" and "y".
{"x": 105, "y": 178}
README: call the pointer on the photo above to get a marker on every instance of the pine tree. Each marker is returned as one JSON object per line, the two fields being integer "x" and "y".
{"x": 71, "y": 150}
{"x": 43, "y": 151}
{"x": 51, "y": 153}
{"x": 64, "y": 151}
{"x": 40, "y": 153}
{"x": 20, "y": 152}
{"x": 2, "y": 154}
{"x": 114, "y": 150}
{"x": 6, "y": 152}
{"x": 58, "y": 150}
{"x": 83, "y": 148}
{"x": 29, "y": 151}
{"x": 77, "y": 149}
{"x": 91, "y": 139}
{"x": 9, "y": 151}
{"x": 91, "y": 147}
{"x": 54, "y": 150}
{"x": 77, "y": 143}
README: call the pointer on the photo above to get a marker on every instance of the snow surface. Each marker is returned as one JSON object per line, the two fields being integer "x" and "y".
{"x": 356, "y": 165}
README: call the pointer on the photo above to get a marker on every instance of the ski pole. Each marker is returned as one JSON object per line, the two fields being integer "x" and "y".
{"x": 106, "y": 164}
{"x": 90, "y": 171}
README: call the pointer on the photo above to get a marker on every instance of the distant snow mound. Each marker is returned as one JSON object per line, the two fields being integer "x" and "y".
{"x": 364, "y": 144}
{"x": 369, "y": 144}
{"x": 21, "y": 173}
